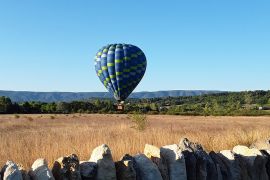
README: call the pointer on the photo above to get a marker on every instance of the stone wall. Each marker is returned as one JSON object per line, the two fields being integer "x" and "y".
{"x": 183, "y": 161}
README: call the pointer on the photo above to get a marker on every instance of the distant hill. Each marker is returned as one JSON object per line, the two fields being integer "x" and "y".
{"x": 22, "y": 96}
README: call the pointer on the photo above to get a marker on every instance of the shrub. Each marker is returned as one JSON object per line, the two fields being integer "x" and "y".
{"x": 139, "y": 120}
{"x": 30, "y": 119}
{"x": 52, "y": 117}
{"x": 16, "y": 116}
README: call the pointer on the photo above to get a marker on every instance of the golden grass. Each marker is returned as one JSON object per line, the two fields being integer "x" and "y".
{"x": 29, "y": 137}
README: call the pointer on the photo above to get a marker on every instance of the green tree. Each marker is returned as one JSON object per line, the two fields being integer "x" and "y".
{"x": 48, "y": 108}
{"x": 154, "y": 107}
{"x": 62, "y": 107}
{"x": 5, "y": 105}
{"x": 207, "y": 109}
{"x": 26, "y": 107}
{"x": 248, "y": 98}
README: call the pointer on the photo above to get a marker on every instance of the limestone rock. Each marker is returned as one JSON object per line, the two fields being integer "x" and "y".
{"x": 126, "y": 168}
{"x": 251, "y": 154}
{"x": 191, "y": 162}
{"x": 88, "y": 170}
{"x": 128, "y": 157}
{"x": 105, "y": 165}
{"x": 40, "y": 170}
{"x": 256, "y": 163}
{"x": 187, "y": 148}
{"x": 244, "y": 166}
{"x": 259, "y": 167}
{"x": 146, "y": 168}
{"x": 66, "y": 168}
{"x": 267, "y": 156}
{"x": 11, "y": 171}
{"x": 236, "y": 165}
{"x": 186, "y": 145}
{"x": 175, "y": 162}
{"x": 153, "y": 153}
{"x": 219, "y": 174}
{"x": 223, "y": 170}
{"x": 205, "y": 167}
{"x": 24, "y": 172}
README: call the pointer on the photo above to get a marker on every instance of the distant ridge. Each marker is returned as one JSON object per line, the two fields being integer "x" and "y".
{"x": 22, "y": 96}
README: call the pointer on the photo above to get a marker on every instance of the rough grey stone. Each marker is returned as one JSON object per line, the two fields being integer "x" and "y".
{"x": 153, "y": 153}
{"x": 224, "y": 170}
{"x": 128, "y": 157}
{"x": 205, "y": 167}
{"x": 40, "y": 170}
{"x": 146, "y": 168}
{"x": 11, "y": 171}
{"x": 267, "y": 166}
{"x": 175, "y": 161}
{"x": 88, "y": 170}
{"x": 255, "y": 162}
{"x": 187, "y": 145}
{"x": 24, "y": 172}
{"x": 191, "y": 162}
{"x": 105, "y": 165}
{"x": 126, "y": 168}
{"x": 66, "y": 168}
{"x": 235, "y": 164}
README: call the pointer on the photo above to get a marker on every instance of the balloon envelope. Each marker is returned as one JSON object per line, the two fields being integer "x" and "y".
{"x": 120, "y": 67}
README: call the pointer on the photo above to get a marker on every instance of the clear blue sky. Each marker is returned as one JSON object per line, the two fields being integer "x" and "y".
{"x": 190, "y": 44}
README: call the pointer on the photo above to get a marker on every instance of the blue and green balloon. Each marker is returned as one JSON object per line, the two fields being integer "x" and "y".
{"x": 120, "y": 67}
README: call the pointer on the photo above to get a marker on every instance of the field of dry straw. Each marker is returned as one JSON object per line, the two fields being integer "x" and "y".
{"x": 25, "y": 138}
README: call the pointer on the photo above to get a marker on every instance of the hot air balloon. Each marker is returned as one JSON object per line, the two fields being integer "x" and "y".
{"x": 120, "y": 67}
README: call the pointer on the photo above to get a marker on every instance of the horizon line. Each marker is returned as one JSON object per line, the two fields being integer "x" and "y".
{"x": 134, "y": 91}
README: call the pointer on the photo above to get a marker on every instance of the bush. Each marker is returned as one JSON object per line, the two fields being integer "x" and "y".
{"x": 153, "y": 112}
{"x": 16, "y": 116}
{"x": 30, "y": 119}
{"x": 139, "y": 120}
{"x": 52, "y": 117}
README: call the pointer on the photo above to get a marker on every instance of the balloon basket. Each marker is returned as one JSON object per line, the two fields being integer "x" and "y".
{"x": 119, "y": 106}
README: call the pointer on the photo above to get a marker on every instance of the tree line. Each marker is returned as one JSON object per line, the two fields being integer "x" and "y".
{"x": 229, "y": 103}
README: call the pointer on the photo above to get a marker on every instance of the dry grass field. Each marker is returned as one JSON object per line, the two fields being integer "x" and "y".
{"x": 25, "y": 138}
